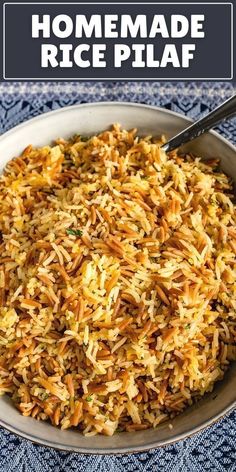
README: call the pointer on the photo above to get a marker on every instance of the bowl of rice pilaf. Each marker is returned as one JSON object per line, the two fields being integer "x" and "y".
{"x": 117, "y": 279}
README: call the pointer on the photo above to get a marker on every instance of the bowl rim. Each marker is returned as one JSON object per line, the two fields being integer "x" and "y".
{"x": 124, "y": 450}
{"x": 111, "y": 103}
{"x": 152, "y": 444}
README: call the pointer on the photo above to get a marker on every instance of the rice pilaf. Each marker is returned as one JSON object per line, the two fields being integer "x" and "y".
{"x": 117, "y": 281}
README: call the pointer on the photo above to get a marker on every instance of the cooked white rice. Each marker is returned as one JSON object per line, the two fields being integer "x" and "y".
{"x": 117, "y": 282}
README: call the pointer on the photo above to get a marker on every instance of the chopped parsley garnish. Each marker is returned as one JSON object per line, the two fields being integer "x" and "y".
{"x": 89, "y": 399}
{"x": 119, "y": 430}
{"x": 84, "y": 138}
{"x": 188, "y": 326}
{"x": 44, "y": 396}
{"x": 74, "y": 232}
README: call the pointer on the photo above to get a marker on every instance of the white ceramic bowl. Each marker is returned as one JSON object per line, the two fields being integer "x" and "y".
{"x": 87, "y": 120}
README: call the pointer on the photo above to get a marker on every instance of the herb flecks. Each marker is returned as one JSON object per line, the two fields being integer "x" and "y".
{"x": 44, "y": 396}
{"x": 89, "y": 399}
{"x": 74, "y": 232}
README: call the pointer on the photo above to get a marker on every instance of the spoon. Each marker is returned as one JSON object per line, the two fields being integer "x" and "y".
{"x": 225, "y": 110}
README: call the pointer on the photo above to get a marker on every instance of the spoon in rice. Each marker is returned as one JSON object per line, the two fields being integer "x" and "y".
{"x": 225, "y": 110}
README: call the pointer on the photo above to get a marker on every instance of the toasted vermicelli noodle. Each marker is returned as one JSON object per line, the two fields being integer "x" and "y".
{"x": 117, "y": 281}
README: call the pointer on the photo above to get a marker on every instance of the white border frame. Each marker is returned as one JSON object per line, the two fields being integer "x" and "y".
{"x": 114, "y": 78}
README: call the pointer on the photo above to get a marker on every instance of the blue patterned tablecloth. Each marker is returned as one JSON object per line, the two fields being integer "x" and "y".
{"x": 211, "y": 450}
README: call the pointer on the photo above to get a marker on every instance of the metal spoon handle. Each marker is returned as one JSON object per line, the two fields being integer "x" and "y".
{"x": 227, "y": 109}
